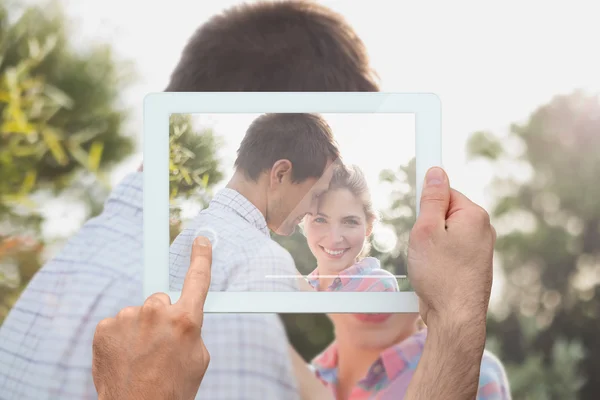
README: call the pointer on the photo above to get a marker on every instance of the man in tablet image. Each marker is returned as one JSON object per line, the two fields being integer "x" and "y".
{"x": 46, "y": 340}
{"x": 284, "y": 163}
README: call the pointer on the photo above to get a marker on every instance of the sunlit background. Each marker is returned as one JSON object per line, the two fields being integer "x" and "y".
{"x": 510, "y": 144}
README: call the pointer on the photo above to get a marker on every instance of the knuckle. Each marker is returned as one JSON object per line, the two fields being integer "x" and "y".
{"x": 153, "y": 305}
{"x": 481, "y": 216}
{"x": 104, "y": 326}
{"x": 101, "y": 336}
{"x": 184, "y": 323}
{"x": 421, "y": 231}
{"x": 127, "y": 313}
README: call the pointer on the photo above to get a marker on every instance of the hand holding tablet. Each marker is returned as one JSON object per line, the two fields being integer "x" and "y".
{"x": 451, "y": 246}
{"x": 152, "y": 351}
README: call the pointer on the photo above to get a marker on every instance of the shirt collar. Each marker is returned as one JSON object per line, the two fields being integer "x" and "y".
{"x": 350, "y": 278}
{"x": 232, "y": 200}
{"x": 391, "y": 362}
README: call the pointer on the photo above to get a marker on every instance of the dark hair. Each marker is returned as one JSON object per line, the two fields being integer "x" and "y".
{"x": 275, "y": 46}
{"x": 305, "y": 140}
{"x": 353, "y": 179}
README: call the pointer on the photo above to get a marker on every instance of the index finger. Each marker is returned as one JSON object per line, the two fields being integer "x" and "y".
{"x": 197, "y": 280}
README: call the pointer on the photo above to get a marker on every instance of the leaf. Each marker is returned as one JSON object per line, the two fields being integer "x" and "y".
{"x": 95, "y": 155}
{"x": 20, "y": 127}
{"x": 186, "y": 176}
{"x": 85, "y": 135}
{"x": 34, "y": 48}
{"x": 78, "y": 154}
{"x": 59, "y": 97}
{"x": 483, "y": 144}
{"x": 19, "y": 199}
{"x": 10, "y": 75}
{"x": 4, "y": 96}
{"x": 24, "y": 151}
{"x": 28, "y": 182}
{"x": 52, "y": 141}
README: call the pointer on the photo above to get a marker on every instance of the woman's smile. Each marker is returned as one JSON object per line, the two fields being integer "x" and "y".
{"x": 334, "y": 253}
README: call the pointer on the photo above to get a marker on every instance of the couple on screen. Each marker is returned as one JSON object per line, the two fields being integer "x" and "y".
{"x": 288, "y": 170}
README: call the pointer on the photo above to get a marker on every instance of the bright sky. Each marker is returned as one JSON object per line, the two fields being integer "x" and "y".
{"x": 491, "y": 63}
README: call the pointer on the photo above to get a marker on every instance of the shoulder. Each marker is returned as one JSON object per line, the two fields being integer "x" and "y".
{"x": 493, "y": 383}
{"x": 265, "y": 266}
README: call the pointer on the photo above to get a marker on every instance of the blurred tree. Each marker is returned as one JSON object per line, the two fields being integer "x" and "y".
{"x": 400, "y": 216}
{"x": 548, "y": 219}
{"x": 193, "y": 167}
{"x": 533, "y": 377}
{"x": 60, "y": 128}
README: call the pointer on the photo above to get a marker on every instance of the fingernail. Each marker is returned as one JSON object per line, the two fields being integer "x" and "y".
{"x": 435, "y": 176}
{"x": 201, "y": 241}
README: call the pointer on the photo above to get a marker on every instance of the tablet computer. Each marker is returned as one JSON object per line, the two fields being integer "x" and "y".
{"x": 386, "y": 140}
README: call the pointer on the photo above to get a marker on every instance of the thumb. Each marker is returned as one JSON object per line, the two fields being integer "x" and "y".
{"x": 435, "y": 199}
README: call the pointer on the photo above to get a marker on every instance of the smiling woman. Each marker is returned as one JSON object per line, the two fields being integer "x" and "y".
{"x": 338, "y": 235}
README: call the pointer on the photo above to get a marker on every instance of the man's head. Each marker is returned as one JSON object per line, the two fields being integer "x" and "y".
{"x": 291, "y": 157}
{"x": 284, "y": 46}
{"x": 278, "y": 46}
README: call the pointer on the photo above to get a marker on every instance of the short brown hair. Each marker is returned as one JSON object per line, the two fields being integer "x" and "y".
{"x": 274, "y": 46}
{"x": 305, "y": 140}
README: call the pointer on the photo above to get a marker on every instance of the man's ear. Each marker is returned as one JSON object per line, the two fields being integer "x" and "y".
{"x": 281, "y": 171}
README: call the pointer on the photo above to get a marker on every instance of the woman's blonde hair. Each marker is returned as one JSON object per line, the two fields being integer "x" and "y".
{"x": 352, "y": 179}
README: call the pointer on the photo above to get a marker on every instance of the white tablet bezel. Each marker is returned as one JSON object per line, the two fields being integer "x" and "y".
{"x": 157, "y": 109}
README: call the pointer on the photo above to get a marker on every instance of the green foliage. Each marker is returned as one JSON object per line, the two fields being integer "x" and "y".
{"x": 401, "y": 217}
{"x": 549, "y": 245}
{"x": 538, "y": 378}
{"x": 193, "y": 162}
{"x": 60, "y": 130}
{"x": 483, "y": 144}
{"x": 58, "y": 106}
{"x": 193, "y": 167}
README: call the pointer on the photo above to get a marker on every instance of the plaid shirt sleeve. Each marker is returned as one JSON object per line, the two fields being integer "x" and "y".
{"x": 46, "y": 340}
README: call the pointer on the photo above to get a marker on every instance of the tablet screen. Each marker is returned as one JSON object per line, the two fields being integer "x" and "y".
{"x": 281, "y": 213}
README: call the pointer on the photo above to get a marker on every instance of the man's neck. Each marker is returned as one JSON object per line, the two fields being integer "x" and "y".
{"x": 253, "y": 191}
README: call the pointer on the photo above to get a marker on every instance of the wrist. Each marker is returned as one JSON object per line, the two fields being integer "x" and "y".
{"x": 465, "y": 334}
